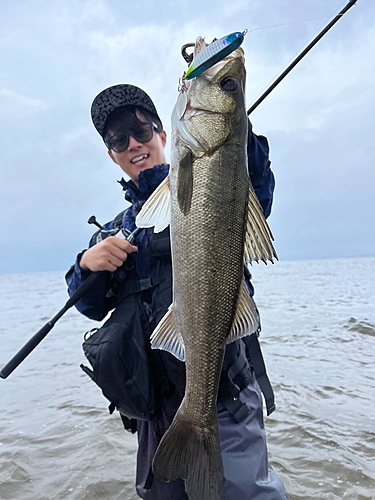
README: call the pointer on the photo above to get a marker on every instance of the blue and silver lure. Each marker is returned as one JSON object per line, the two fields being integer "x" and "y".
{"x": 213, "y": 53}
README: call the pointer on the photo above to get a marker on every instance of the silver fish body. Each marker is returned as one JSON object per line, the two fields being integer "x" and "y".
{"x": 216, "y": 225}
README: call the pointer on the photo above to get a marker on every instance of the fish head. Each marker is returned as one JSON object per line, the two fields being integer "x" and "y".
{"x": 212, "y": 105}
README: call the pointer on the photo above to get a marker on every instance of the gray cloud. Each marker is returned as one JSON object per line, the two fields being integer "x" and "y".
{"x": 55, "y": 173}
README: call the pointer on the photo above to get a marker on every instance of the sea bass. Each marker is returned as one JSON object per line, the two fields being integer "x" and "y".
{"x": 216, "y": 225}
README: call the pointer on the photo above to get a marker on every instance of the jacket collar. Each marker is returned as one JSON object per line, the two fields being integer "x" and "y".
{"x": 148, "y": 181}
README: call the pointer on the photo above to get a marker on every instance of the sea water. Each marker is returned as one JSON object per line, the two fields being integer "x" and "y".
{"x": 57, "y": 439}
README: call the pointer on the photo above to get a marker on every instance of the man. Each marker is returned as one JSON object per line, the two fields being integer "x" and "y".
{"x": 137, "y": 285}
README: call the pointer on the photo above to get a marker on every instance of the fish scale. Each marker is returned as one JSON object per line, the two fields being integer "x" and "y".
{"x": 207, "y": 295}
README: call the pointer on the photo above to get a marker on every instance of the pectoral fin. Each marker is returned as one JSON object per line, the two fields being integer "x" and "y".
{"x": 258, "y": 238}
{"x": 157, "y": 209}
{"x": 246, "y": 320}
{"x": 167, "y": 337}
{"x": 185, "y": 183}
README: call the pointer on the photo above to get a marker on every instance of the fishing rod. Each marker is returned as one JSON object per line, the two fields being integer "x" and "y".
{"x": 39, "y": 336}
{"x": 301, "y": 55}
{"x": 209, "y": 56}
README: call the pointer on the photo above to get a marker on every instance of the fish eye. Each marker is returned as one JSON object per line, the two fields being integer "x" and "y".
{"x": 229, "y": 84}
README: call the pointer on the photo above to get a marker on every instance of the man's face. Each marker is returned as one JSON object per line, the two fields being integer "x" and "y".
{"x": 140, "y": 156}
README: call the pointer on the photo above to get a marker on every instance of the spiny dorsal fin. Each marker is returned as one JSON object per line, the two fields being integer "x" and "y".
{"x": 258, "y": 238}
{"x": 246, "y": 319}
{"x": 157, "y": 209}
{"x": 167, "y": 337}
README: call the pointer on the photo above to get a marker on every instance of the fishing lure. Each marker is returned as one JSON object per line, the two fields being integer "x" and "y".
{"x": 214, "y": 53}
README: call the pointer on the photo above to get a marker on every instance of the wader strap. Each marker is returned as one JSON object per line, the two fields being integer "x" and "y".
{"x": 237, "y": 378}
{"x": 146, "y": 283}
{"x": 235, "y": 407}
{"x": 130, "y": 287}
{"x": 239, "y": 374}
{"x": 259, "y": 367}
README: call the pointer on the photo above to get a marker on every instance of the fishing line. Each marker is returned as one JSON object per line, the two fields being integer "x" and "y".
{"x": 305, "y": 44}
{"x": 290, "y": 22}
{"x": 300, "y": 21}
{"x": 307, "y": 47}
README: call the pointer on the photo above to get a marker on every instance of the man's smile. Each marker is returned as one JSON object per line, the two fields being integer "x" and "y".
{"x": 139, "y": 158}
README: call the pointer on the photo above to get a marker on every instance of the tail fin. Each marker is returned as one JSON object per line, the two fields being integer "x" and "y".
{"x": 191, "y": 453}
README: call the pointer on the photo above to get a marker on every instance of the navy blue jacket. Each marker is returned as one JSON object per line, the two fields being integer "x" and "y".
{"x": 98, "y": 302}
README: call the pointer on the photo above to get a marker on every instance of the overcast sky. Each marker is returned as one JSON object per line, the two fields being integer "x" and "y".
{"x": 57, "y": 55}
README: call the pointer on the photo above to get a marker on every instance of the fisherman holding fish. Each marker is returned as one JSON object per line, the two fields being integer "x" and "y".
{"x": 206, "y": 367}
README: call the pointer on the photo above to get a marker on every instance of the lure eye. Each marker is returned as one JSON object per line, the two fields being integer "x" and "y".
{"x": 229, "y": 84}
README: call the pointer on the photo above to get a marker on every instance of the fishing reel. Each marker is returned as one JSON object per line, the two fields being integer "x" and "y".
{"x": 103, "y": 233}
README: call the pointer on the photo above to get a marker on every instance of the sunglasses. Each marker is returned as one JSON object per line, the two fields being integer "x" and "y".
{"x": 119, "y": 142}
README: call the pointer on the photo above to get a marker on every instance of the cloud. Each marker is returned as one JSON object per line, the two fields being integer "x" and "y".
{"x": 16, "y": 104}
{"x": 57, "y": 55}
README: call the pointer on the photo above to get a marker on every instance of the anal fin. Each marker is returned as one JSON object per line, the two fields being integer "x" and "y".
{"x": 167, "y": 337}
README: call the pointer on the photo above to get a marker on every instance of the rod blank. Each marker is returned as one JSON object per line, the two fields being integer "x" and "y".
{"x": 301, "y": 56}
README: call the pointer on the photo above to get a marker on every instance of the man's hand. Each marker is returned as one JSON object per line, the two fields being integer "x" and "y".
{"x": 107, "y": 255}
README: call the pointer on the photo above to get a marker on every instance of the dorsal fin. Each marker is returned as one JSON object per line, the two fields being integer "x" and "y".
{"x": 258, "y": 238}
